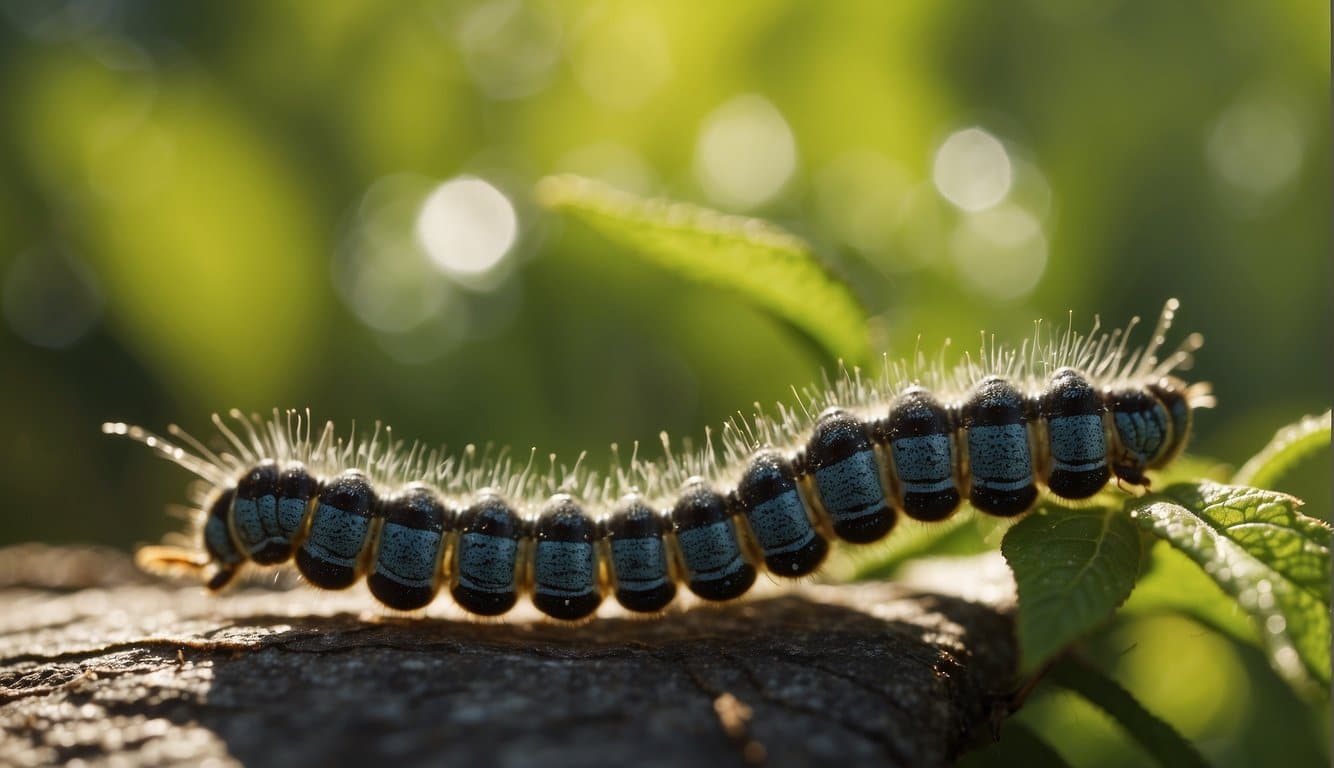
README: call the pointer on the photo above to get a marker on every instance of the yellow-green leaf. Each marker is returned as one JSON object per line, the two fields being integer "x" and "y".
{"x": 1273, "y": 560}
{"x": 1289, "y": 446}
{"x": 775, "y": 270}
{"x": 1172, "y": 582}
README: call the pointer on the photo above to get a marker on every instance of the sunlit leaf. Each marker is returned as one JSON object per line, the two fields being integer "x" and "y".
{"x": 1174, "y": 583}
{"x": 1263, "y": 552}
{"x": 771, "y": 268}
{"x": 1073, "y": 567}
{"x": 1290, "y": 446}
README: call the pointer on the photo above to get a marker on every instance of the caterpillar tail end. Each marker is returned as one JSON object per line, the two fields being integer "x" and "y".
{"x": 181, "y": 563}
{"x": 176, "y": 562}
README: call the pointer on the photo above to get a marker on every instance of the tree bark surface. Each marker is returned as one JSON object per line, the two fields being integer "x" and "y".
{"x": 102, "y": 665}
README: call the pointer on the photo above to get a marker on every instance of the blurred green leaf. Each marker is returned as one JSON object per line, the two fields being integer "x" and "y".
{"x": 1174, "y": 583}
{"x": 1264, "y": 553}
{"x": 1073, "y": 567}
{"x": 965, "y": 533}
{"x": 769, "y": 267}
{"x": 1290, "y": 446}
{"x": 200, "y": 229}
{"x": 1154, "y": 734}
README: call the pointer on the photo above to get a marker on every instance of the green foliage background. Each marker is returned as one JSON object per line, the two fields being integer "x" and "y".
{"x": 194, "y": 174}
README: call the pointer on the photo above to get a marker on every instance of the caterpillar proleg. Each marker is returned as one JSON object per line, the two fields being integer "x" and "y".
{"x": 1060, "y": 414}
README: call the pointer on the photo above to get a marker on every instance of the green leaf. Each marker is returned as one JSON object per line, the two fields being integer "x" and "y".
{"x": 1173, "y": 583}
{"x": 776, "y": 271}
{"x": 1157, "y": 737}
{"x": 1273, "y": 560}
{"x": 1073, "y": 567}
{"x": 1290, "y": 446}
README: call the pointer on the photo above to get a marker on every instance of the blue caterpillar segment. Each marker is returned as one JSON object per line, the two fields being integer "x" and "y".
{"x": 405, "y": 573}
{"x": 255, "y": 516}
{"x": 296, "y": 488}
{"x": 485, "y": 575}
{"x": 1076, "y": 438}
{"x": 842, "y": 461}
{"x": 1169, "y": 393}
{"x": 270, "y": 509}
{"x": 716, "y": 567}
{"x": 218, "y": 544}
{"x": 339, "y": 530}
{"x": 1143, "y": 433}
{"x": 565, "y": 568}
{"x": 920, "y": 434}
{"x": 639, "y": 566}
{"x": 767, "y": 493}
{"x": 1000, "y": 460}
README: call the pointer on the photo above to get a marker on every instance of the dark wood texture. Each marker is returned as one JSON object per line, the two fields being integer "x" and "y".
{"x": 101, "y": 664}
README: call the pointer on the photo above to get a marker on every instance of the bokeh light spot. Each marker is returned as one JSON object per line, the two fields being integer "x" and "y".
{"x": 1255, "y": 147}
{"x": 863, "y": 197}
{"x": 379, "y": 269}
{"x": 745, "y": 154}
{"x": 510, "y": 47}
{"x": 972, "y": 170}
{"x": 1000, "y": 253}
{"x": 466, "y": 226}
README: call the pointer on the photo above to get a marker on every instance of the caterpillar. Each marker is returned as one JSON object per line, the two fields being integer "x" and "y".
{"x": 1064, "y": 415}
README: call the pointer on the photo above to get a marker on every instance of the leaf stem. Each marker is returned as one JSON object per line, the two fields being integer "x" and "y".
{"x": 1157, "y": 737}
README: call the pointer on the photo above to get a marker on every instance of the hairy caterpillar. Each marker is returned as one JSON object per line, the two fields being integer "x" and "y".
{"x": 1064, "y": 413}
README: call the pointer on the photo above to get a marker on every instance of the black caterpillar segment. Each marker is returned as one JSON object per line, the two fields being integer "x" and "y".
{"x": 641, "y": 561}
{"x": 710, "y": 545}
{"x": 220, "y": 548}
{"x": 843, "y": 465}
{"x": 409, "y": 548}
{"x": 485, "y": 572}
{"x": 1073, "y": 415}
{"x": 779, "y": 519}
{"x": 339, "y": 532}
{"x": 1000, "y": 453}
{"x": 1063, "y": 417}
{"x": 565, "y": 561}
{"x": 921, "y": 436}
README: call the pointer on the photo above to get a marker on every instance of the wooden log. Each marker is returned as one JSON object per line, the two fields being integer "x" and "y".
{"x": 108, "y": 667}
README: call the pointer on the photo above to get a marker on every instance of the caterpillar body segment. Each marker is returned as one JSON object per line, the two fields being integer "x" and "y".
{"x": 566, "y": 584}
{"x": 1000, "y": 453}
{"x": 1076, "y": 428}
{"x": 778, "y": 516}
{"x": 923, "y": 450}
{"x": 219, "y": 544}
{"x": 637, "y": 549}
{"x": 485, "y": 574}
{"x": 845, "y": 470}
{"x": 409, "y": 548}
{"x": 1063, "y": 417}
